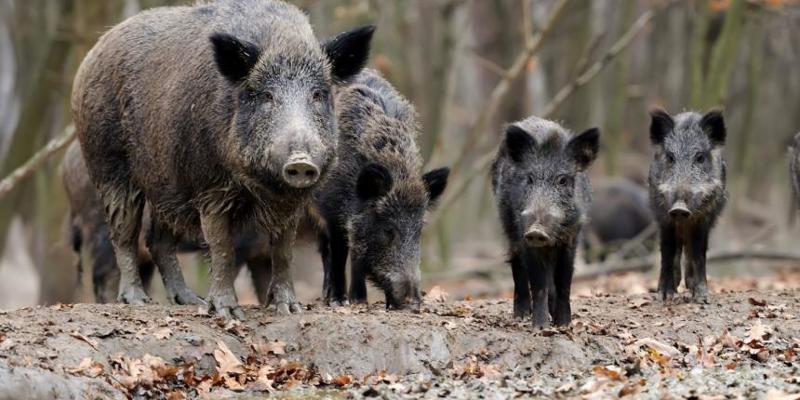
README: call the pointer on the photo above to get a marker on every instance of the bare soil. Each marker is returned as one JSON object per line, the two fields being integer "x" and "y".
{"x": 743, "y": 344}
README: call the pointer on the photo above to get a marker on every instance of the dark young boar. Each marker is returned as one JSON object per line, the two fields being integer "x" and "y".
{"x": 374, "y": 203}
{"x": 219, "y": 116}
{"x": 543, "y": 195}
{"x": 88, "y": 228}
{"x": 687, "y": 194}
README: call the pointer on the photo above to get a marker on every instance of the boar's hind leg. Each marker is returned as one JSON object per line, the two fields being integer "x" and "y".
{"x": 670, "y": 259}
{"x": 697, "y": 246}
{"x": 221, "y": 295}
{"x": 335, "y": 284}
{"x": 162, "y": 245}
{"x": 281, "y": 289}
{"x": 562, "y": 275}
{"x": 522, "y": 288}
{"x": 124, "y": 205}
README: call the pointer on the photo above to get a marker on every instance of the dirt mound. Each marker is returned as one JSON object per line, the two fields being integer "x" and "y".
{"x": 742, "y": 344}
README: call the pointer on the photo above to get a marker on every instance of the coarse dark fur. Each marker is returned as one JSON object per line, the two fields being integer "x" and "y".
{"x": 200, "y": 112}
{"x": 374, "y": 203}
{"x": 687, "y": 194}
{"x": 87, "y": 227}
{"x": 543, "y": 194}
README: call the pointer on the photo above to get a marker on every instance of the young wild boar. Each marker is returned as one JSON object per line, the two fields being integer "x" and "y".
{"x": 87, "y": 227}
{"x": 543, "y": 194}
{"x": 217, "y": 115}
{"x": 687, "y": 194}
{"x": 374, "y": 203}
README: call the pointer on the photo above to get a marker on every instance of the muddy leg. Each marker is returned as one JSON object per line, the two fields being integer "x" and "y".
{"x": 358, "y": 286}
{"x": 698, "y": 245}
{"x": 281, "y": 290}
{"x": 336, "y": 293}
{"x": 163, "y": 246}
{"x": 670, "y": 253}
{"x": 221, "y": 295}
{"x": 124, "y": 214}
{"x": 522, "y": 288}
{"x": 563, "y": 270}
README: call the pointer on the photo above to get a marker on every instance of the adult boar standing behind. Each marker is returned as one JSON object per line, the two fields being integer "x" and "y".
{"x": 218, "y": 115}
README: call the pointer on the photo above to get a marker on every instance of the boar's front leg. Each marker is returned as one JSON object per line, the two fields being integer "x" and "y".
{"x": 221, "y": 295}
{"x": 163, "y": 245}
{"x": 522, "y": 287}
{"x": 562, "y": 275}
{"x": 336, "y": 265}
{"x": 670, "y": 259}
{"x": 697, "y": 246}
{"x": 538, "y": 271}
{"x": 281, "y": 290}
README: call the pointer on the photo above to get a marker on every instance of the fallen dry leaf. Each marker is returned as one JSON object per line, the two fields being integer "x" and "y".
{"x": 436, "y": 295}
{"x": 227, "y": 362}
{"x": 163, "y": 333}
{"x": 87, "y": 367}
{"x": 759, "y": 332}
{"x": 757, "y": 302}
{"x": 342, "y": 380}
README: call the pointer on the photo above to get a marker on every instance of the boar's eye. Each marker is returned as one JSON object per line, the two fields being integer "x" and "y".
{"x": 563, "y": 180}
{"x": 699, "y": 158}
{"x": 530, "y": 179}
{"x": 320, "y": 95}
{"x": 389, "y": 234}
{"x": 268, "y": 96}
{"x": 670, "y": 158}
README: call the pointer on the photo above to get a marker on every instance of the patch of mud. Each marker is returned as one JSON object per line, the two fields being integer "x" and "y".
{"x": 742, "y": 344}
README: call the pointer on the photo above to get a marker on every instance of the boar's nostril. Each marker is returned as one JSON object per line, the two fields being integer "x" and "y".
{"x": 679, "y": 210}
{"x": 300, "y": 172}
{"x": 537, "y": 238}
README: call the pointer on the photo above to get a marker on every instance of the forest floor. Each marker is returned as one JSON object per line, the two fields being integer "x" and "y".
{"x": 744, "y": 344}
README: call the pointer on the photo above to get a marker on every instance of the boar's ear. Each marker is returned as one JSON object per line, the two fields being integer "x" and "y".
{"x": 518, "y": 142}
{"x": 584, "y": 147}
{"x": 235, "y": 58}
{"x": 374, "y": 181}
{"x": 348, "y": 52}
{"x": 714, "y": 126}
{"x": 435, "y": 182}
{"x": 661, "y": 124}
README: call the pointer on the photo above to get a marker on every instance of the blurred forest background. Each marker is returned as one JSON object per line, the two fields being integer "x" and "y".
{"x": 468, "y": 66}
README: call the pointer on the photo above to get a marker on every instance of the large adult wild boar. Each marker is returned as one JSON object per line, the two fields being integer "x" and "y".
{"x": 218, "y": 115}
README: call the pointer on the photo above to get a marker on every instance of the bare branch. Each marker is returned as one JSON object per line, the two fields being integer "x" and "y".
{"x": 598, "y": 66}
{"x": 37, "y": 161}
{"x": 501, "y": 89}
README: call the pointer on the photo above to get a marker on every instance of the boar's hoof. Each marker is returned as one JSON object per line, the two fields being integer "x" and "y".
{"x": 288, "y": 308}
{"x": 667, "y": 295}
{"x": 700, "y": 295}
{"x": 187, "y": 297}
{"x": 133, "y": 295}
{"x": 338, "y": 302}
{"x": 226, "y": 306}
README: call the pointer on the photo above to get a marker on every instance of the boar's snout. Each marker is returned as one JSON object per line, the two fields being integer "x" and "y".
{"x": 299, "y": 171}
{"x": 679, "y": 210}
{"x": 404, "y": 293}
{"x": 537, "y": 237}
